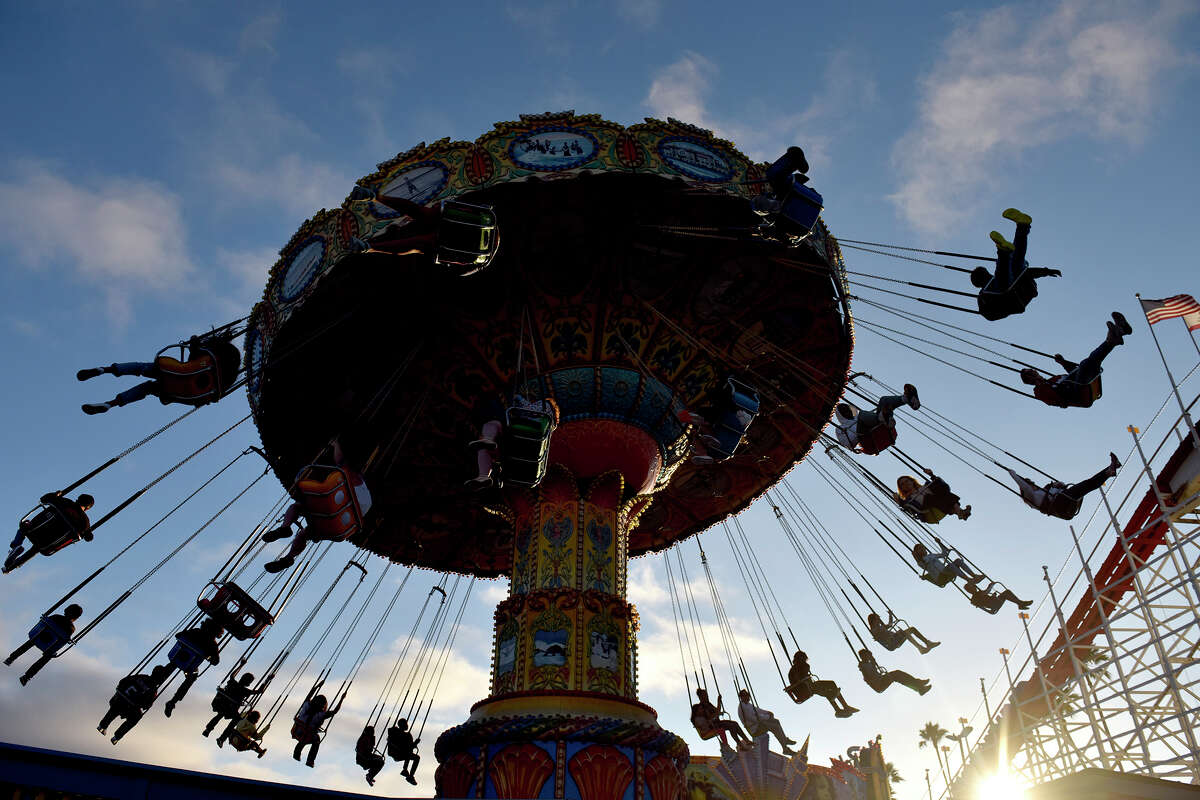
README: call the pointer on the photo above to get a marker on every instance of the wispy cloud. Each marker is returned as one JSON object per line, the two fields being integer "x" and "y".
{"x": 644, "y": 586}
{"x": 207, "y": 70}
{"x": 642, "y": 14}
{"x": 659, "y": 663}
{"x": 767, "y": 126}
{"x": 295, "y": 184}
{"x": 125, "y": 236}
{"x": 495, "y": 592}
{"x": 371, "y": 76}
{"x": 26, "y": 328}
{"x": 248, "y": 270}
{"x": 680, "y": 89}
{"x": 1008, "y": 80}
{"x": 544, "y": 21}
{"x": 260, "y": 32}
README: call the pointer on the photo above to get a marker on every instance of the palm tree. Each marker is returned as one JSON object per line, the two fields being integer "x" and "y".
{"x": 893, "y": 774}
{"x": 1093, "y": 661}
{"x": 932, "y": 734}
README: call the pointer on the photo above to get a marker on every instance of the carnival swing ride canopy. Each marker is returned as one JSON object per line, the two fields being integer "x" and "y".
{"x": 594, "y": 299}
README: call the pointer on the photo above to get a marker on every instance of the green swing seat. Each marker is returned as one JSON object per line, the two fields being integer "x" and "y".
{"x": 527, "y": 446}
{"x": 467, "y": 236}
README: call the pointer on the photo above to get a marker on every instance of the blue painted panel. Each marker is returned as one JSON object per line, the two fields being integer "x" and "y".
{"x": 618, "y": 391}
{"x": 695, "y": 158}
{"x": 575, "y": 391}
{"x": 655, "y": 401}
{"x": 553, "y": 148}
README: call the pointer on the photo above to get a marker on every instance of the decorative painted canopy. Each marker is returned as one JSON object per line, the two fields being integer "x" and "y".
{"x": 625, "y": 286}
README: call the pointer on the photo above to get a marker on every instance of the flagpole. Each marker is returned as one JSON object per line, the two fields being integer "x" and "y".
{"x": 1174, "y": 387}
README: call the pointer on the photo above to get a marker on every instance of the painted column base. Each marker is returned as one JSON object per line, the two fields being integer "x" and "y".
{"x": 585, "y": 746}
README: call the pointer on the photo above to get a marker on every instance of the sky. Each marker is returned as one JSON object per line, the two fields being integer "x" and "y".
{"x": 156, "y": 155}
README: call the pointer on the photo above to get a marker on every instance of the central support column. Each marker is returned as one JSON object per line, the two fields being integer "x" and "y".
{"x": 563, "y": 718}
{"x": 566, "y": 624}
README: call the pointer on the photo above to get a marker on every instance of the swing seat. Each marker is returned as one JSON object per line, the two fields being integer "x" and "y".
{"x": 801, "y": 206}
{"x": 467, "y": 237}
{"x": 1080, "y": 395}
{"x": 241, "y": 742}
{"x": 889, "y": 636}
{"x": 184, "y": 657}
{"x": 330, "y": 506}
{"x": 1062, "y": 505}
{"x": 134, "y": 697}
{"x": 526, "y": 449}
{"x": 799, "y": 694}
{"x": 943, "y": 580}
{"x": 995, "y": 303}
{"x": 875, "y": 440}
{"x": 704, "y": 727}
{"x": 889, "y": 640}
{"x": 240, "y": 615}
{"x": 993, "y": 610}
{"x": 304, "y": 731}
{"x": 225, "y": 704}
{"x": 49, "y": 529}
{"x": 48, "y": 636}
{"x": 192, "y": 382}
{"x": 398, "y": 753}
{"x": 741, "y": 407}
{"x": 875, "y": 681}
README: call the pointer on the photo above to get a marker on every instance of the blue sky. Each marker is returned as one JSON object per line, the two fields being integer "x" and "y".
{"x": 156, "y": 155}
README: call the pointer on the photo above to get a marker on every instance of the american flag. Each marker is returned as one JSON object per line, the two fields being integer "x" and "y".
{"x": 1181, "y": 305}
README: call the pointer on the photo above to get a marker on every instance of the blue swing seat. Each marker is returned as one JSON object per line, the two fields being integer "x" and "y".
{"x": 734, "y": 418}
{"x": 184, "y": 657}
{"x": 47, "y": 636}
{"x": 801, "y": 206}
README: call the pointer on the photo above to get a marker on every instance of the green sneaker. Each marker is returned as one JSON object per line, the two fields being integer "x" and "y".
{"x": 1001, "y": 242}
{"x": 1017, "y": 216}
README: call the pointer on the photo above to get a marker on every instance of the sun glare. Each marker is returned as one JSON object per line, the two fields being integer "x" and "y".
{"x": 1001, "y": 786}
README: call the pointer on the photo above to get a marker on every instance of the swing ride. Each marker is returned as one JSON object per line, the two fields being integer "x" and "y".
{"x": 640, "y": 332}
{"x": 592, "y": 302}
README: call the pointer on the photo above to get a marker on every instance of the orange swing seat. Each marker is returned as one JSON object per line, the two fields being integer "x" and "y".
{"x": 327, "y": 496}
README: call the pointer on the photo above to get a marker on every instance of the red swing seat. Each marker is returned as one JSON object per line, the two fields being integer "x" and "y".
{"x": 240, "y": 615}
{"x": 327, "y": 497}
{"x": 877, "y": 439}
{"x": 196, "y": 381}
